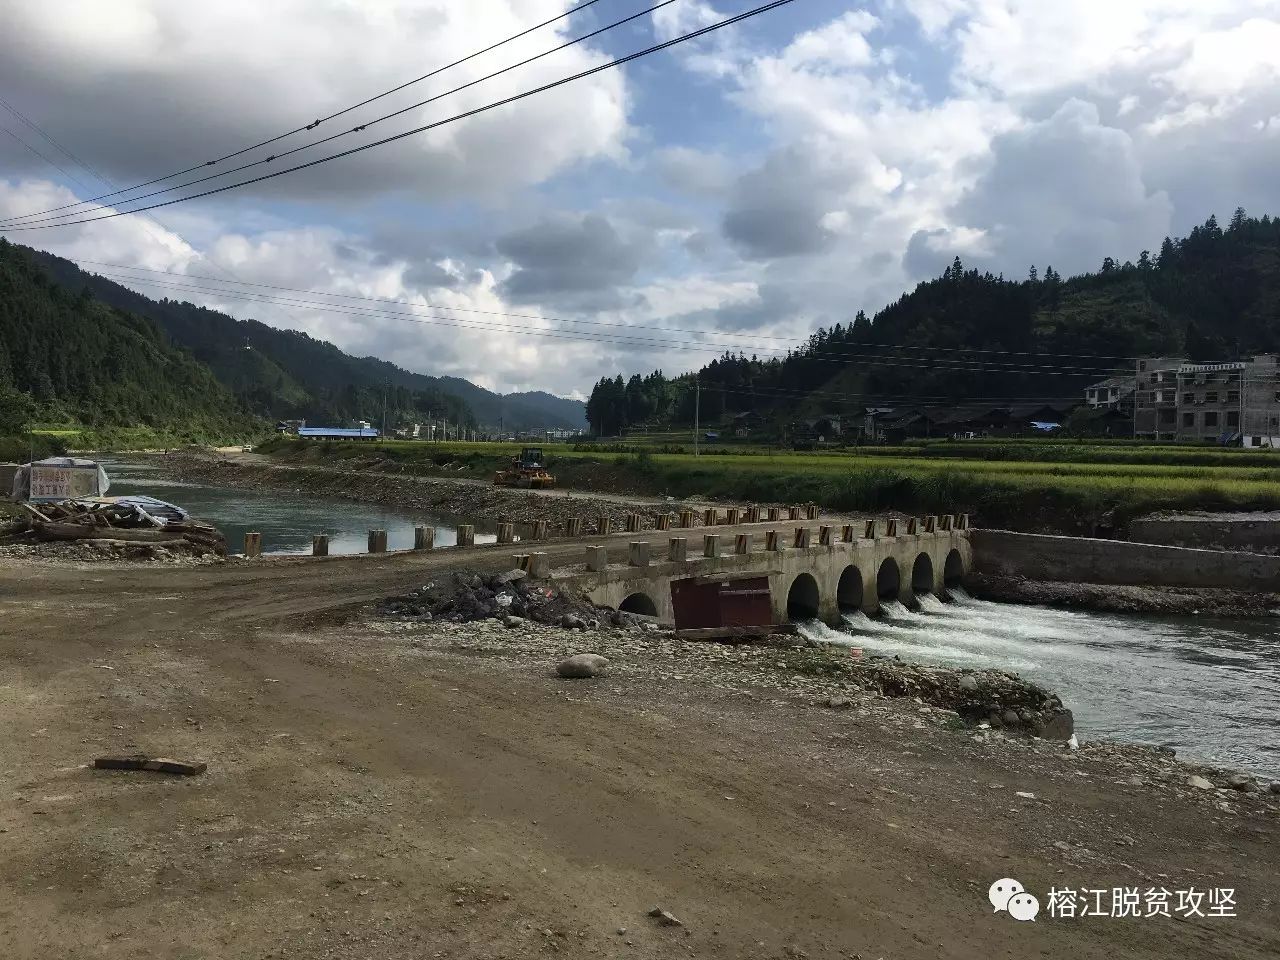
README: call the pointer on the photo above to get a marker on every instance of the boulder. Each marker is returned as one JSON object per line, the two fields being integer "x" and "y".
{"x": 1242, "y": 782}
{"x": 1200, "y": 783}
{"x": 1059, "y": 725}
{"x": 582, "y": 666}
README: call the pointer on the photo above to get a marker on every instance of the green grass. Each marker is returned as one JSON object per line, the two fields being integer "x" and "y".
{"x": 1067, "y": 495}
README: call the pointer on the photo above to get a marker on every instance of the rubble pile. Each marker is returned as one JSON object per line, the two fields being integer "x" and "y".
{"x": 463, "y": 596}
{"x": 137, "y": 525}
{"x": 993, "y": 697}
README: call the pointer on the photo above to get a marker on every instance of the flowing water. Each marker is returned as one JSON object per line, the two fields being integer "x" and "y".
{"x": 286, "y": 520}
{"x": 1208, "y": 687}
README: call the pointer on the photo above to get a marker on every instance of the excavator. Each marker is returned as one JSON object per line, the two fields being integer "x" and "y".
{"x": 526, "y": 470}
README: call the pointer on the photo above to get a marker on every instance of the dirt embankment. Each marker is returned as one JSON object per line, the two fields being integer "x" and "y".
{"x": 384, "y": 483}
{"x": 394, "y": 788}
{"x": 1116, "y": 598}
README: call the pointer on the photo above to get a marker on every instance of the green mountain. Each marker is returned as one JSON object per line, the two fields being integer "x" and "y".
{"x": 69, "y": 357}
{"x": 284, "y": 374}
{"x": 971, "y": 337}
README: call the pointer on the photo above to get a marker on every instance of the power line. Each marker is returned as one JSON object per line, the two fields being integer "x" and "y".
{"x": 603, "y": 323}
{"x": 655, "y": 48}
{"x": 104, "y": 179}
{"x": 946, "y": 364}
{"x": 312, "y": 125}
{"x": 344, "y": 133}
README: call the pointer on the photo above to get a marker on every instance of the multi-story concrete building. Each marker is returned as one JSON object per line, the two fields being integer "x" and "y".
{"x": 1231, "y": 402}
{"x": 1155, "y": 412}
{"x": 1236, "y": 402}
{"x": 1114, "y": 392}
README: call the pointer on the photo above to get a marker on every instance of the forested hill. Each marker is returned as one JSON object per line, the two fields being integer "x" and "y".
{"x": 969, "y": 336}
{"x": 70, "y": 358}
{"x": 284, "y": 374}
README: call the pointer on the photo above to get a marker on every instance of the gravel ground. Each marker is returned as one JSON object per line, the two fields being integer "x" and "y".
{"x": 391, "y": 789}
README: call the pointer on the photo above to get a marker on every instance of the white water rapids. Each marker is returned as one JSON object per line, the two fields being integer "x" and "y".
{"x": 1208, "y": 687}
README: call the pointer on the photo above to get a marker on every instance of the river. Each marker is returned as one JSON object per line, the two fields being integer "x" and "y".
{"x": 1208, "y": 687}
{"x": 287, "y": 521}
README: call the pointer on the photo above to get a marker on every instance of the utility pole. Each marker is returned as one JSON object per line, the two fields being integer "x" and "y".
{"x": 385, "y": 384}
{"x": 697, "y": 412}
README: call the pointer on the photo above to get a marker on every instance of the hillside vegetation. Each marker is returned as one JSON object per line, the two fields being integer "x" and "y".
{"x": 969, "y": 336}
{"x": 286, "y": 374}
{"x": 69, "y": 358}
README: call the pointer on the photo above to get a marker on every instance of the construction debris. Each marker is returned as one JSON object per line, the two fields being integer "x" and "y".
{"x": 158, "y": 764}
{"x": 122, "y": 520}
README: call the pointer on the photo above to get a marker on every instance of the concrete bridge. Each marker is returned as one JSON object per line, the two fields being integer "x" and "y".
{"x": 812, "y": 571}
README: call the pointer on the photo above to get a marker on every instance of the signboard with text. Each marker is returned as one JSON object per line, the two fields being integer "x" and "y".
{"x": 63, "y": 483}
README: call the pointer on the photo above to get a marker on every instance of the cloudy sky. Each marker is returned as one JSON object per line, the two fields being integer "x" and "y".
{"x": 737, "y": 191}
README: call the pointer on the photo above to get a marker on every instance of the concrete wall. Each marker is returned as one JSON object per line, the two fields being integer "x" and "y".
{"x": 1237, "y": 532}
{"x": 1081, "y": 560}
{"x": 825, "y": 564}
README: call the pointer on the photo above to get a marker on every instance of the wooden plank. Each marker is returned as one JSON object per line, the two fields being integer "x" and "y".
{"x": 157, "y": 764}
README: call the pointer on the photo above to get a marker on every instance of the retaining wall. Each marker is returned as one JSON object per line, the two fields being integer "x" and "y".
{"x": 1213, "y": 533}
{"x": 1084, "y": 560}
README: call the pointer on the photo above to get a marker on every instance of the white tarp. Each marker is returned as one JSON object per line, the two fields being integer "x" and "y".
{"x": 59, "y": 478}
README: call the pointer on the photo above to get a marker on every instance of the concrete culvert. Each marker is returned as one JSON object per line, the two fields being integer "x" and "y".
{"x": 922, "y": 575}
{"x": 640, "y": 603}
{"x": 802, "y": 598}
{"x": 849, "y": 592}
{"x": 888, "y": 580}
{"x": 953, "y": 570}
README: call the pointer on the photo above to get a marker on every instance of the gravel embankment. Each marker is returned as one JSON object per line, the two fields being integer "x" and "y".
{"x": 471, "y": 500}
{"x": 1115, "y": 598}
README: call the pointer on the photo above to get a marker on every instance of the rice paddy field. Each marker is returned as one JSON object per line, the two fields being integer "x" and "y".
{"x": 1023, "y": 484}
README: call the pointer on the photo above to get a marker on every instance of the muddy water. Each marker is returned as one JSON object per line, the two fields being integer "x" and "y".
{"x": 1208, "y": 687}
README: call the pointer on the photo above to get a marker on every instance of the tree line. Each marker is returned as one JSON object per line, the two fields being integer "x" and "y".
{"x": 971, "y": 336}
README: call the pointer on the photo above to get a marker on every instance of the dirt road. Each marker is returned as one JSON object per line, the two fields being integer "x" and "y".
{"x": 373, "y": 795}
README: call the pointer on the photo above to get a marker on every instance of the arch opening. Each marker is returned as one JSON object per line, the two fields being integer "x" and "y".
{"x": 849, "y": 591}
{"x": 953, "y": 569}
{"x": 640, "y": 603}
{"x": 922, "y": 575}
{"x": 802, "y": 598}
{"x": 888, "y": 580}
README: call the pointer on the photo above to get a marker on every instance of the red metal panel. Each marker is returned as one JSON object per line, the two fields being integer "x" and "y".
{"x": 695, "y": 605}
{"x": 745, "y": 603}
{"x": 700, "y": 603}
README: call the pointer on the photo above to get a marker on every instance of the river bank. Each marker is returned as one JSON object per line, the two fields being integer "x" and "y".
{"x": 1119, "y": 598}
{"x": 381, "y": 786}
{"x": 473, "y": 500}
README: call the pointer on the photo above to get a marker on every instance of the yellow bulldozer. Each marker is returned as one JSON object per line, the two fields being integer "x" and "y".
{"x": 527, "y": 471}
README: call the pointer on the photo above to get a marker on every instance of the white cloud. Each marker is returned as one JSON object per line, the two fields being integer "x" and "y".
{"x": 123, "y": 82}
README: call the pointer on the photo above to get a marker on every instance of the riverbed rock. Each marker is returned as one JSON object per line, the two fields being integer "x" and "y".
{"x": 582, "y": 666}
{"x": 1200, "y": 783}
{"x": 1059, "y": 724}
{"x": 1242, "y": 782}
{"x": 1274, "y": 786}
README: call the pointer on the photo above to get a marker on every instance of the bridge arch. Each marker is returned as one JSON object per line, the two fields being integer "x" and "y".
{"x": 953, "y": 569}
{"x": 803, "y": 598}
{"x": 849, "y": 590}
{"x": 888, "y": 580}
{"x": 922, "y": 575}
{"x": 640, "y": 603}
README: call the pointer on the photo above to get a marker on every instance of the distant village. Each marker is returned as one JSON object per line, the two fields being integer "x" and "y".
{"x": 1233, "y": 403}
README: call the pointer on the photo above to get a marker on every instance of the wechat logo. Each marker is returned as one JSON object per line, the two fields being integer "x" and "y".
{"x": 1009, "y": 895}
